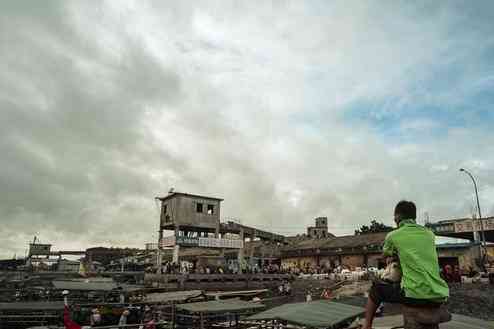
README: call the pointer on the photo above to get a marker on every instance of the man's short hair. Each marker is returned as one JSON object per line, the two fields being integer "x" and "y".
{"x": 406, "y": 210}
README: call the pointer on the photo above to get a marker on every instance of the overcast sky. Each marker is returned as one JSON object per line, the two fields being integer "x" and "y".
{"x": 288, "y": 110}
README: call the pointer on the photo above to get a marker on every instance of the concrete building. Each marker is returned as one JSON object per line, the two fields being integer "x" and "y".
{"x": 106, "y": 255}
{"x": 464, "y": 255}
{"x": 320, "y": 231}
{"x": 348, "y": 251}
{"x": 183, "y": 212}
{"x": 65, "y": 265}
{"x": 195, "y": 221}
{"x": 39, "y": 249}
{"x": 151, "y": 246}
{"x": 464, "y": 228}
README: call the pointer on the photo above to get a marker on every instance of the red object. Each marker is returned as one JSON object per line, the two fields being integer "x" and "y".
{"x": 67, "y": 321}
{"x": 326, "y": 294}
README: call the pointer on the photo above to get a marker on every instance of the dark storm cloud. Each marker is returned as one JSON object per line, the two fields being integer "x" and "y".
{"x": 104, "y": 105}
{"x": 71, "y": 121}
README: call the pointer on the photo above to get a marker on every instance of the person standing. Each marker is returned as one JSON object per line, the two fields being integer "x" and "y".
{"x": 95, "y": 319}
{"x": 123, "y": 318}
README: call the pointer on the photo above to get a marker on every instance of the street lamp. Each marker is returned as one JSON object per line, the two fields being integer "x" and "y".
{"x": 482, "y": 235}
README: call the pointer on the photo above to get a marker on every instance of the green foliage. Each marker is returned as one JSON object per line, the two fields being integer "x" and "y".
{"x": 374, "y": 227}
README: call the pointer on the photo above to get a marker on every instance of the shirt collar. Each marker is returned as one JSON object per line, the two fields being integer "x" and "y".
{"x": 406, "y": 221}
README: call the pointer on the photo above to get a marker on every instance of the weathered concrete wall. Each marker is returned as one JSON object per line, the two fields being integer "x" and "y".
{"x": 214, "y": 281}
{"x": 182, "y": 210}
{"x": 490, "y": 253}
{"x": 466, "y": 256}
{"x": 331, "y": 261}
{"x": 352, "y": 261}
{"x": 299, "y": 261}
{"x": 373, "y": 260}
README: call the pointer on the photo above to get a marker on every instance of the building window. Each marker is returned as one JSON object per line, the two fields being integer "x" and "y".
{"x": 165, "y": 208}
{"x": 210, "y": 209}
{"x": 199, "y": 207}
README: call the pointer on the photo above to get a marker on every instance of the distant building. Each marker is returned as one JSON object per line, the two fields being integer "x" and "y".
{"x": 349, "y": 251}
{"x": 195, "y": 222}
{"x": 320, "y": 231}
{"x": 190, "y": 213}
{"x": 11, "y": 264}
{"x": 39, "y": 249}
{"x": 151, "y": 246}
{"x": 106, "y": 255}
{"x": 65, "y": 265}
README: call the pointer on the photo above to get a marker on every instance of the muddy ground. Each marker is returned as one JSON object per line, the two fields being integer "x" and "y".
{"x": 475, "y": 300}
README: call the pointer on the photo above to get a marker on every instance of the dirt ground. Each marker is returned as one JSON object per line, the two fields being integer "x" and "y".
{"x": 475, "y": 300}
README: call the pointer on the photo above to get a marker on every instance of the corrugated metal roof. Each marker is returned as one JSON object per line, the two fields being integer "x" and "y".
{"x": 219, "y": 306}
{"x": 84, "y": 285}
{"x": 219, "y": 294}
{"x": 316, "y": 314}
{"x": 174, "y": 194}
{"x": 347, "y": 241}
{"x": 456, "y": 245}
{"x": 89, "y": 285}
{"x": 172, "y": 296}
{"x": 28, "y": 306}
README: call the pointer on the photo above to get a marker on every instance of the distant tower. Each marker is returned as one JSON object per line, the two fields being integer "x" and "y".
{"x": 319, "y": 231}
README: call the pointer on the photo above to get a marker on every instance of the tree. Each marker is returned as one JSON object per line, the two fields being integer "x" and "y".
{"x": 374, "y": 227}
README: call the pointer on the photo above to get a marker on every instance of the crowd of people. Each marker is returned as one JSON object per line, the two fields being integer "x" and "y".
{"x": 193, "y": 268}
{"x": 453, "y": 274}
{"x": 147, "y": 316}
{"x": 273, "y": 268}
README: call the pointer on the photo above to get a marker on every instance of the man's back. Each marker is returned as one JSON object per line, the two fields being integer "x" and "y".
{"x": 415, "y": 247}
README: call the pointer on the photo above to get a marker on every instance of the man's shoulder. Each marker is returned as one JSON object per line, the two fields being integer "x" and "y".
{"x": 405, "y": 231}
{"x": 392, "y": 234}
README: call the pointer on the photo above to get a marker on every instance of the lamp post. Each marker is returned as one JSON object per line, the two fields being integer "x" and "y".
{"x": 482, "y": 234}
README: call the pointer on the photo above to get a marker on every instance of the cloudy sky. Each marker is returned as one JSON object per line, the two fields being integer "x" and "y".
{"x": 287, "y": 109}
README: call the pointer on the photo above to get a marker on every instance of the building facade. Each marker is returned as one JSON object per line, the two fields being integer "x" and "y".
{"x": 347, "y": 251}
{"x": 320, "y": 231}
{"x": 190, "y": 213}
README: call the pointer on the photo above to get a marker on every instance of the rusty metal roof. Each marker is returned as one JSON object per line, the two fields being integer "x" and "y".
{"x": 348, "y": 241}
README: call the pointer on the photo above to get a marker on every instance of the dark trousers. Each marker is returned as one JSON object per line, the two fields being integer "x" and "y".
{"x": 391, "y": 292}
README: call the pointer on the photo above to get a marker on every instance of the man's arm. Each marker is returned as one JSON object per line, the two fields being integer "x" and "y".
{"x": 389, "y": 249}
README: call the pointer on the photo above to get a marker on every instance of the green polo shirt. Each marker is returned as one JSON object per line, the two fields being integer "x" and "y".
{"x": 416, "y": 248}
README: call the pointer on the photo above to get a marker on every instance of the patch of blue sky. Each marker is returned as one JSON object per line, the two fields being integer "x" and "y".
{"x": 419, "y": 123}
{"x": 448, "y": 98}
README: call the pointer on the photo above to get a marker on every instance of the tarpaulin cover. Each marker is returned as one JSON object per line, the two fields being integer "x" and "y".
{"x": 29, "y": 306}
{"x": 316, "y": 314}
{"x": 218, "y": 306}
{"x": 173, "y": 296}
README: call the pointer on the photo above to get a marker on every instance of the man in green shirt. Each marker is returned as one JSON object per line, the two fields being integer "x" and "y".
{"x": 415, "y": 248}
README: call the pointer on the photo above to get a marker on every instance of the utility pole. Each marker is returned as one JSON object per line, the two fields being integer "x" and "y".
{"x": 482, "y": 233}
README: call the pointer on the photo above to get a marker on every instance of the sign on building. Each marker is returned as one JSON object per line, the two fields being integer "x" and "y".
{"x": 39, "y": 249}
{"x": 171, "y": 241}
{"x": 168, "y": 241}
{"x": 472, "y": 225}
{"x": 187, "y": 241}
{"x": 220, "y": 243}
